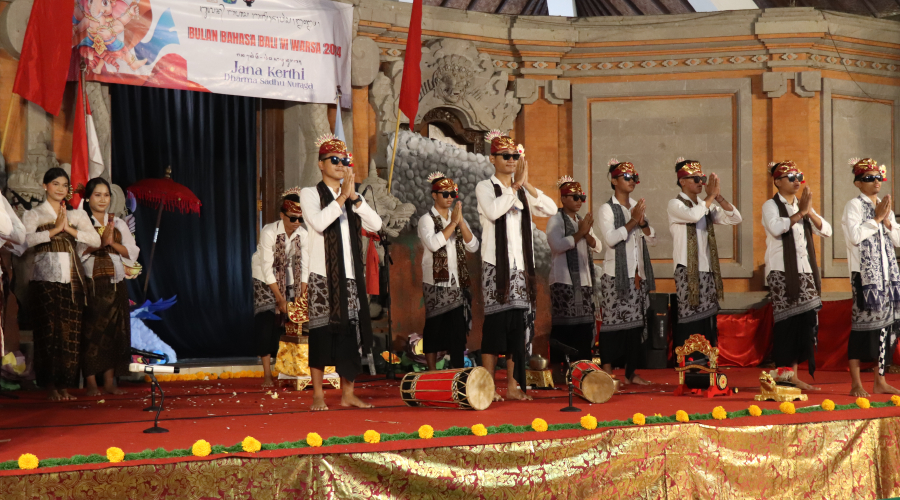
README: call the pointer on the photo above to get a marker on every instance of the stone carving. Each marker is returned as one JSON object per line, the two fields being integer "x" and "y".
{"x": 454, "y": 76}
{"x": 365, "y": 61}
{"x": 555, "y": 91}
{"x": 28, "y": 177}
{"x": 394, "y": 214}
{"x": 97, "y": 95}
{"x": 806, "y": 83}
{"x": 13, "y": 22}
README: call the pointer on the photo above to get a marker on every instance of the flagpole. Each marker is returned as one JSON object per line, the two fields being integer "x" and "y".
{"x": 14, "y": 100}
{"x": 394, "y": 152}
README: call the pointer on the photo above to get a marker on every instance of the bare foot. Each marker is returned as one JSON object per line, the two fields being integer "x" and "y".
{"x": 803, "y": 385}
{"x": 92, "y": 391}
{"x": 885, "y": 388}
{"x": 514, "y": 393}
{"x": 857, "y": 391}
{"x": 54, "y": 396}
{"x": 498, "y": 397}
{"x": 65, "y": 396}
{"x": 318, "y": 403}
{"x": 112, "y": 389}
{"x": 268, "y": 382}
{"x": 637, "y": 380}
{"x": 352, "y": 400}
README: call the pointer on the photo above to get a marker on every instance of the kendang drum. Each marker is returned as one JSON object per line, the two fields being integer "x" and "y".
{"x": 591, "y": 383}
{"x": 466, "y": 388}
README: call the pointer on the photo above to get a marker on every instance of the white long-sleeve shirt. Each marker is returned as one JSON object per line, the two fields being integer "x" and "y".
{"x": 776, "y": 226}
{"x": 55, "y": 266}
{"x": 318, "y": 219}
{"x": 560, "y": 244}
{"x": 127, "y": 241}
{"x": 492, "y": 207}
{"x": 680, "y": 215}
{"x": 634, "y": 248}
{"x": 857, "y": 229}
{"x": 434, "y": 241}
{"x": 12, "y": 231}
{"x": 264, "y": 257}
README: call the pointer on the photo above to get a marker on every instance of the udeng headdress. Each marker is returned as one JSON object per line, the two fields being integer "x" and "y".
{"x": 290, "y": 206}
{"x": 623, "y": 167}
{"x": 783, "y": 168}
{"x": 689, "y": 169}
{"x": 440, "y": 182}
{"x": 329, "y": 144}
{"x": 500, "y": 142}
{"x": 568, "y": 186}
{"x": 863, "y": 165}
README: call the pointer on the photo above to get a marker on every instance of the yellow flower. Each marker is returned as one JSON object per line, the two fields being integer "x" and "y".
{"x": 372, "y": 437}
{"x": 787, "y": 407}
{"x": 426, "y": 432}
{"x": 755, "y": 411}
{"x": 539, "y": 424}
{"x": 28, "y": 461}
{"x": 314, "y": 439}
{"x": 589, "y": 422}
{"x": 258, "y": 374}
{"x": 639, "y": 419}
{"x": 201, "y": 448}
{"x": 115, "y": 455}
{"x": 479, "y": 430}
{"x": 828, "y": 405}
{"x": 250, "y": 445}
{"x": 148, "y": 379}
{"x": 719, "y": 413}
{"x": 862, "y": 403}
{"x": 225, "y": 375}
{"x": 213, "y": 376}
{"x": 682, "y": 416}
{"x": 895, "y": 400}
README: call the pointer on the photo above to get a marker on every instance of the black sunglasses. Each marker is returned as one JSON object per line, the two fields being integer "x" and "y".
{"x": 507, "y": 156}
{"x": 792, "y": 177}
{"x": 699, "y": 179}
{"x": 343, "y": 161}
{"x": 871, "y": 178}
{"x": 447, "y": 194}
{"x": 578, "y": 197}
{"x": 630, "y": 177}
{"x": 294, "y": 220}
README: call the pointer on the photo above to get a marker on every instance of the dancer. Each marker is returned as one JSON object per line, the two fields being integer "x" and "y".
{"x": 106, "y": 342}
{"x": 792, "y": 272}
{"x": 280, "y": 268}
{"x": 571, "y": 242}
{"x": 57, "y": 284}
{"x": 698, "y": 280}
{"x": 505, "y": 205}
{"x": 627, "y": 273}
{"x": 445, "y": 276}
{"x": 871, "y": 232}
{"x": 340, "y": 329}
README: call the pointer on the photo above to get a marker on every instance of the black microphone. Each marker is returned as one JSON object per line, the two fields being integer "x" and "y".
{"x": 563, "y": 348}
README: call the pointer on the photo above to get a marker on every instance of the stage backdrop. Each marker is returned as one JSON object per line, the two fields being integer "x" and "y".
{"x": 293, "y": 50}
{"x": 210, "y": 142}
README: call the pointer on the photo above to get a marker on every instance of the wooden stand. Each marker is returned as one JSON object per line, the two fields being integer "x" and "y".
{"x": 539, "y": 378}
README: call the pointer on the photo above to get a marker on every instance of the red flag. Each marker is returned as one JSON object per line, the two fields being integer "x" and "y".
{"x": 80, "y": 148}
{"x": 44, "y": 63}
{"x": 412, "y": 72}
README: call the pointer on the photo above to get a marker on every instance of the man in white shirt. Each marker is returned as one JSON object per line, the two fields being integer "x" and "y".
{"x": 340, "y": 329}
{"x": 505, "y": 205}
{"x": 445, "y": 275}
{"x": 571, "y": 263}
{"x": 280, "y": 267}
{"x": 792, "y": 273}
{"x": 627, "y": 273}
{"x": 872, "y": 232}
{"x": 698, "y": 280}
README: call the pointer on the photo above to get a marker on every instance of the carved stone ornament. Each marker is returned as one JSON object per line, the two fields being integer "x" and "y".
{"x": 28, "y": 177}
{"x": 394, "y": 214}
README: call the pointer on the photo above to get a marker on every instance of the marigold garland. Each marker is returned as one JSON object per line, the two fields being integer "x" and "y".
{"x": 115, "y": 455}
{"x": 639, "y": 419}
{"x": 828, "y": 405}
{"x": 755, "y": 411}
{"x": 28, "y": 461}
{"x": 719, "y": 413}
{"x": 539, "y": 424}
{"x": 426, "y": 431}
{"x": 372, "y": 437}
{"x": 787, "y": 407}
{"x": 895, "y": 400}
{"x": 201, "y": 448}
{"x": 314, "y": 440}
{"x": 181, "y": 377}
{"x": 250, "y": 445}
{"x": 589, "y": 422}
{"x": 479, "y": 430}
{"x": 863, "y": 403}
{"x": 682, "y": 416}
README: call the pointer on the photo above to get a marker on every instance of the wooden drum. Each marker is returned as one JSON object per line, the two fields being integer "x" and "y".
{"x": 592, "y": 383}
{"x": 466, "y": 388}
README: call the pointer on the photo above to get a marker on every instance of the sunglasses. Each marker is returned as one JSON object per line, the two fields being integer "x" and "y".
{"x": 872, "y": 178}
{"x": 507, "y": 156}
{"x": 447, "y": 194}
{"x": 294, "y": 220}
{"x": 630, "y": 177}
{"x": 343, "y": 161}
{"x": 578, "y": 197}
{"x": 699, "y": 179}
{"x": 792, "y": 177}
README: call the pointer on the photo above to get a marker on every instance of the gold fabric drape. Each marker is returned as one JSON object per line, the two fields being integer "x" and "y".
{"x": 827, "y": 460}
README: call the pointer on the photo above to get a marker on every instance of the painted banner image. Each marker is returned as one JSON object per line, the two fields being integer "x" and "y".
{"x": 294, "y": 50}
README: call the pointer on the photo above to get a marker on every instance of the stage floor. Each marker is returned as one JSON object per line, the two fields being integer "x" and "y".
{"x": 226, "y": 411}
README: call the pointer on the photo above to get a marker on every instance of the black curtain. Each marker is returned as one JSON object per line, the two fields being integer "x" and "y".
{"x": 209, "y": 140}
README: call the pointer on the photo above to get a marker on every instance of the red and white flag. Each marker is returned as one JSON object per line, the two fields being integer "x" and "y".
{"x": 87, "y": 160}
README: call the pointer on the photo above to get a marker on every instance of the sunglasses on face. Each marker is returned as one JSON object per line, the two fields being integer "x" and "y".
{"x": 872, "y": 178}
{"x": 447, "y": 194}
{"x": 294, "y": 220}
{"x": 343, "y": 161}
{"x": 578, "y": 197}
{"x": 792, "y": 177}
{"x": 699, "y": 179}
{"x": 630, "y": 177}
{"x": 507, "y": 156}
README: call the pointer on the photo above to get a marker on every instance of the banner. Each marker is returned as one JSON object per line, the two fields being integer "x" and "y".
{"x": 294, "y": 50}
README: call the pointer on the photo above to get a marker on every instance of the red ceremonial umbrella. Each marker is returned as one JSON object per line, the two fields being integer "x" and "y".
{"x": 168, "y": 194}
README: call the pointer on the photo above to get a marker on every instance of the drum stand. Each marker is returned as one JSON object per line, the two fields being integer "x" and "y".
{"x": 571, "y": 407}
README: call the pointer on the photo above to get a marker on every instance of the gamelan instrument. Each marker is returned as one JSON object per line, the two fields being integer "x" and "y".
{"x": 591, "y": 382}
{"x": 466, "y": 388}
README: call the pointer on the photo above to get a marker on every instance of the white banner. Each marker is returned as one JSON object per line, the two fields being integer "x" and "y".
{"x": 294, "y": 50}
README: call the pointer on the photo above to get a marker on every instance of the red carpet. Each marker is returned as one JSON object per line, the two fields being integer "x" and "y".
{"x": 224, "y": 412}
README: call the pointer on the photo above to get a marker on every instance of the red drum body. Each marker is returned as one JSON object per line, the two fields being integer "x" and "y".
{"x": 465, "y": 388}
{"x": 591, "y": 382}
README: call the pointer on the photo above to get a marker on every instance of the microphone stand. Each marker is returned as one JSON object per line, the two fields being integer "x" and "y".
{"x": 571, "y": 407}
